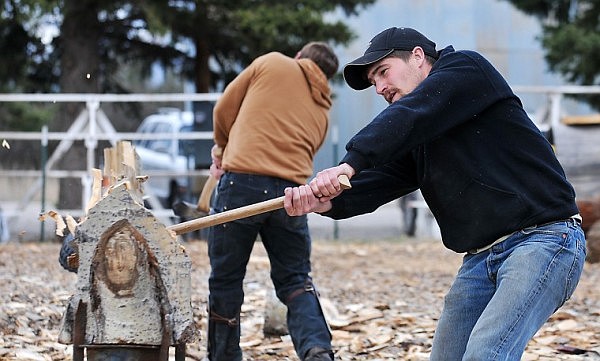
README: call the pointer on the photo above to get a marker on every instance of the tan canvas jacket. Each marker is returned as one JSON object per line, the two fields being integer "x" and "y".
{"x": 273, "y": 117}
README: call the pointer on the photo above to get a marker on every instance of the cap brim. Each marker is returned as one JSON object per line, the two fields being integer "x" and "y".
{"x": 354, "y": 72}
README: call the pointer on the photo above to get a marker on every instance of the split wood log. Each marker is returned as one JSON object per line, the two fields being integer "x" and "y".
{"x": 133, "y": 279}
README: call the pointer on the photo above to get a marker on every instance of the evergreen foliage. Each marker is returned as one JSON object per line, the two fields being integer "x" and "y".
{"x": 571, "y": 39}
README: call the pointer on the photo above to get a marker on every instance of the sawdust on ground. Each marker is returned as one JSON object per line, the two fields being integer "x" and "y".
{"x": 382, "y": 300}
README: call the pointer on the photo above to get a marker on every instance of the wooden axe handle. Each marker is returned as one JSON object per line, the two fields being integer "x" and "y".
{"x": 209, "y": 187}
{"x": 207, "y": 191}
{"x": 238, "y": 213}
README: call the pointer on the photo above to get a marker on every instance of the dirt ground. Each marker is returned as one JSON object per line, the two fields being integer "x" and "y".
{"x": 382, "y": 300}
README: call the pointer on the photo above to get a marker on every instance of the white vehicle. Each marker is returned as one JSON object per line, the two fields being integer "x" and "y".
{"x": 167, "y": 159}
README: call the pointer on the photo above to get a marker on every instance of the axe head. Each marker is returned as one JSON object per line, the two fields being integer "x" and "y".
{"x": 187, "y": 210}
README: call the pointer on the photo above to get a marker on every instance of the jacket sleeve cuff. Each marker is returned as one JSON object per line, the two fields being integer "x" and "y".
{"x": 356, "y": 160}
{"x": 337, "y": 209}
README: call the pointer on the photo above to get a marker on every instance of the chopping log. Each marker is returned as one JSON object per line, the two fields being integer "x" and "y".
{"x": 275, "y": 316}
{"x": 590, "y": 212}
{"x": 133, "y": 291}
{"x": 593, "y": 243}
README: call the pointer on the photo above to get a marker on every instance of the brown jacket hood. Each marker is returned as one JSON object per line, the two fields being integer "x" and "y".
{"x": 317, "y": 81}
{"x": 273, "y": 117}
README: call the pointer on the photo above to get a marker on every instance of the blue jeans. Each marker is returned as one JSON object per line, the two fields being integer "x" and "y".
{"x": 288, "y": 245}
{"x": 502, "y": 296}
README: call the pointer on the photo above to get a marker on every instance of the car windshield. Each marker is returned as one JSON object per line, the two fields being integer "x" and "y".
{"x": 186, "y": 146}
{"x": 159, "y": 145}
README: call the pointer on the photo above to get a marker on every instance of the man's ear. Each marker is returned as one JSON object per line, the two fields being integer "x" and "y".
{"x": 418, "y": 54}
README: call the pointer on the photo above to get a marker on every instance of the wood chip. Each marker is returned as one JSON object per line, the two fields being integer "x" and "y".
{"x": 383, "y": 310}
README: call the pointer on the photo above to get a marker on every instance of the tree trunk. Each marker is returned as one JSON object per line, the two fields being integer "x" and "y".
{"x": 80, "y": 73}
{"x": 202, "y": 71}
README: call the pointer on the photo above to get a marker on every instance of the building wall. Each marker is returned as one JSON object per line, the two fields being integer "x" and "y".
{"x": 506, "y": 36}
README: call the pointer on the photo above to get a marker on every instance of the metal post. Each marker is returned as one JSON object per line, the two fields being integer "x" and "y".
{"x": 334, "y": 140}
{"x": 91, "y": 142}
{"x": 44, "y": 158}
{"x": 555, "y": 100}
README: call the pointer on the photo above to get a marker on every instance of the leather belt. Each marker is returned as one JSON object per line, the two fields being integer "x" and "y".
{"x": 576, "y": 218}
{"x": 484, "y": 248}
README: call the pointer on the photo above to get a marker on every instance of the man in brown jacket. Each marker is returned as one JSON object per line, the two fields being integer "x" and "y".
{"x": 270, "y": 121}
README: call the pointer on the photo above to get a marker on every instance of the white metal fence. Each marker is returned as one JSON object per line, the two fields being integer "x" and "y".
{"x": 92, "y": 125}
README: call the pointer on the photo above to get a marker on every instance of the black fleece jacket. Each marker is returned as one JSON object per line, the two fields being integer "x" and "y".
{"x": 462, "y": 138}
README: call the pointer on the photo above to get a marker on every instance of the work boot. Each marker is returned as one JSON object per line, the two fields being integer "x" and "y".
{"x": 318, "y": 354}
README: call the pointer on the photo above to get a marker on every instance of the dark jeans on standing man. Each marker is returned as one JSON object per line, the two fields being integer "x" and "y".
{"x": 288, "y": 245}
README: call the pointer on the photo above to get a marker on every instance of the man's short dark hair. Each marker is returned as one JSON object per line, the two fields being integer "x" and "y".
{"x": 405, "y": 55}
{"x": 323, "y": 56}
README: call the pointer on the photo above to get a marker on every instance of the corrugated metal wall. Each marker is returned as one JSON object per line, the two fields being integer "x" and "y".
{"x": 507, "y": 37}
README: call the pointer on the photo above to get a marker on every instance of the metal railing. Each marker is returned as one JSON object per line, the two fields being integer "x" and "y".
{"x": 92, "y": 126}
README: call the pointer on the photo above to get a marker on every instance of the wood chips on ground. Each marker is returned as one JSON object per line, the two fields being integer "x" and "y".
{"x": 382, "y": 300}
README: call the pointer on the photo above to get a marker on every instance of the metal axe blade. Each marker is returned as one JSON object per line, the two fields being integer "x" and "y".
{"x": 187, "y": 210}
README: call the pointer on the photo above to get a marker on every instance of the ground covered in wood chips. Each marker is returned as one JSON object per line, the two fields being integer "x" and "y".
{"x": 382, "y": 300}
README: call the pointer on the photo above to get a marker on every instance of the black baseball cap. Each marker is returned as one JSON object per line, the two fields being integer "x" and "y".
{"x": 382, "y": 45}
